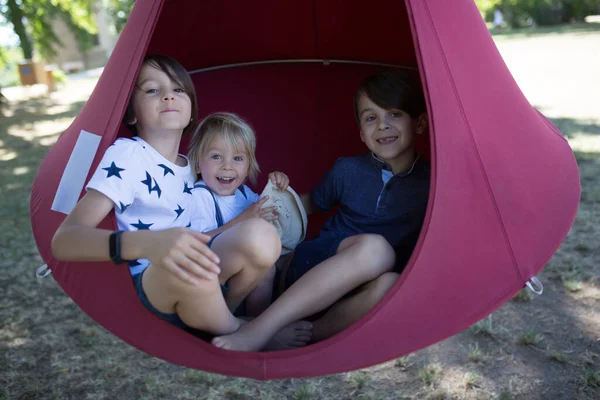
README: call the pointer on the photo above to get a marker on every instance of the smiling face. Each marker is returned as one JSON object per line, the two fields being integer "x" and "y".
{"x": 390, "y": 134}
{"x": 223, "y": 167}
{"x": 159, "y": 104}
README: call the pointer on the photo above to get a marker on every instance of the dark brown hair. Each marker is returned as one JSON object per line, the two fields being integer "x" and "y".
{"x": 392, "y": 89}
{"x": 178, "y": 74}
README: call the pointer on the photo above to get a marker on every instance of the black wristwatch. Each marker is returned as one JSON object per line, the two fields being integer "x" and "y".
{"x": 114, "y": 247}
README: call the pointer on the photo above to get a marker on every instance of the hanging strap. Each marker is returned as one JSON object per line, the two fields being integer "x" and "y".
{"x": 535, "y": 285}
{"x": 43, "y": 271}
{"x": 217, "y": 208}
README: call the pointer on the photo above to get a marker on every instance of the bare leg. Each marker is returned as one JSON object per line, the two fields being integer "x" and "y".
{"x": 202, "y": 306}
{"x": 247, "y": 252}
{"x": 259, "y": 299}
{"x": 359, "y": 259}
{"x": 347, "y": 311}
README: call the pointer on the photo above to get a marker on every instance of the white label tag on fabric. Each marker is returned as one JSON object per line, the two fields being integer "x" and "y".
{"x": 77, "y": 169}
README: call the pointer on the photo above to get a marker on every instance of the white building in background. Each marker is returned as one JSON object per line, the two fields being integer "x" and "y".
{"x": 69, "y": 58}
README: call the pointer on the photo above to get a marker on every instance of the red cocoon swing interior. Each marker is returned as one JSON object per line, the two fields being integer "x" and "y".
{"x": 504, "y": 185}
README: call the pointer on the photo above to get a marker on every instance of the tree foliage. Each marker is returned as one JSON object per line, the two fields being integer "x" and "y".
{"x": 119, "y": 10}
{"x": 32, "y": 22}
{"x": 541, "y": 12}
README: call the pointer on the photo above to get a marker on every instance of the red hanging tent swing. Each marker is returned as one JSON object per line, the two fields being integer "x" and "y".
{"x": 504, "y": 185}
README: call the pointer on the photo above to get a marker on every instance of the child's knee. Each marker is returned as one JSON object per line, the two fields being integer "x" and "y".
{"x": 260, "y": 242}
{"x": 376, "y": 251}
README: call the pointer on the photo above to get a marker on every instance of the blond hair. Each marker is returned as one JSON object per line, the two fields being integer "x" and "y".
{"x": 236, "y": 132}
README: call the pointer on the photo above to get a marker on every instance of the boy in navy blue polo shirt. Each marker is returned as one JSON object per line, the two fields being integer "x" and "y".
{"x": 382, "y": 197}
{"x": 383, "y": 191}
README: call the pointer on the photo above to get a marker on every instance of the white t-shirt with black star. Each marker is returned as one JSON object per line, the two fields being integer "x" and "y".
{"x": 149, "y": 192}
{"x": 205, "y": 217}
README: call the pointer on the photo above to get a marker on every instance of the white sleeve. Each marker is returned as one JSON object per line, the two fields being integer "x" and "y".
{"x": 204, "y": 216}
{"x": 115, "y": 175}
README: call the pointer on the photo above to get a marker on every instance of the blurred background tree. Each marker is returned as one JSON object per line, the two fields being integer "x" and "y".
{"x": 119, "y": 10}
{"x": 520, "y": 13}
{"x": 31, "y": 21}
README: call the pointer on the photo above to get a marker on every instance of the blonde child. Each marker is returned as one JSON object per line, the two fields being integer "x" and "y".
{"x": 222, "y": 151}
{"x": 149, "y": 185}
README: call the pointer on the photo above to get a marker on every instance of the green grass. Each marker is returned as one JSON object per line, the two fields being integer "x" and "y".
{"x": 200, "y": 377}
{"x": 583, "y": 248}
{"x": 402, "y": 362}
{"x": 88, "y": 338}
{"x": 530, "y": 338}
{"x": 470, "y": 380}
{"x": 571, "y": 271}
{"x": 304, "y": 392}
{"x": 592, "y": 378}
{"x": 505, "y": 396}
{"x": 524, "y": 296}
{"x": 483, "y": 327}
{"x": 359, "y": 379}
{"x": 573, "y": 286}
{"x": 558, "y": 356}
{"x": 429, "y": 374}
{"x": 475, "y": 354}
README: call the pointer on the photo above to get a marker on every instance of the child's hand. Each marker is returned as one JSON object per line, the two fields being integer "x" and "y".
{"x": 184, "y": 253}
{"x": 280, "y": 180}
{"x": 255, "y": 211}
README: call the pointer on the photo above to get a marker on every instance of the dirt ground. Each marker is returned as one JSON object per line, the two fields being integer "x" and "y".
{"x": 542, "y": 347}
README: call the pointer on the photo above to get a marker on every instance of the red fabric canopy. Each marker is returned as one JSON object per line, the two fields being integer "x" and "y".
{"x": 504, "y": 191}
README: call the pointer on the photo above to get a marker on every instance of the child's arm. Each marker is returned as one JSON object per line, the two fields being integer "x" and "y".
{"x": 327, "y": 193}
{"x": 253, "y": 211}
{"x": 280, "y": 180}
{"x": 307, "y": 203}
{"x": 180, "y": 250}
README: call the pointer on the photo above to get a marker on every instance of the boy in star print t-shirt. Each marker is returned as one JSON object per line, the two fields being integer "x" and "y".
{"x": 148, "y": 184}
{"x": 152, "y": 193}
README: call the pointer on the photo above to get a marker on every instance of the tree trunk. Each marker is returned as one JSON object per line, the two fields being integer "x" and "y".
{"x": 15, "y": 15}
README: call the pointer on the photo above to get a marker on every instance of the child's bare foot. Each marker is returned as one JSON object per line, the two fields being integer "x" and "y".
{"x": 296, "y": 334}
{"x": 250, "y": 338}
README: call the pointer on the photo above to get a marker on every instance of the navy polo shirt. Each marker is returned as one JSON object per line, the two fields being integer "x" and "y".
{"x": 373, "y": 200}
